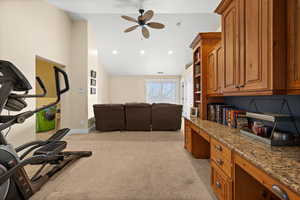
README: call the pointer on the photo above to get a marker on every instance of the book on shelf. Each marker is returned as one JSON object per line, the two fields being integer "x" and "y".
{"x": 234, "y": 115}
{"x": 227, "y": 115}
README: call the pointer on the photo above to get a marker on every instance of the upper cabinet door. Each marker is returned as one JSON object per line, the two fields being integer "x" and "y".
{"x": 212, "y": 73}
{"x": 255, "y": 45}
{"x": 293, "y": 76}
{"x": 231, "y": 48}
{"x": 220, "y": 66}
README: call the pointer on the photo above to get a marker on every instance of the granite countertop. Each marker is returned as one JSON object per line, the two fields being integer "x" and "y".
{"x": 281, "y": 163}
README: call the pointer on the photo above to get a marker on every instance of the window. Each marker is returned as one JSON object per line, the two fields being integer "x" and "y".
{"x": 162, "y": 91}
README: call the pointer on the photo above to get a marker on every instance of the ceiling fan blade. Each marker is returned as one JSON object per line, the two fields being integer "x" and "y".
{"x": 148, "y": 15}
{"x": 145, "y": 32}
{"x": 156, "y": 25}
{"x": 131, "y": 28}
{"x": 129, "y": 18}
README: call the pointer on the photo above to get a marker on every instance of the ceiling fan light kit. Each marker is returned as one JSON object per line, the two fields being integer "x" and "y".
{"x": 143, "y": 22}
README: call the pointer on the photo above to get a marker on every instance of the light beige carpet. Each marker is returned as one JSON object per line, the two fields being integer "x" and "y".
{"x": 130, "y": 166}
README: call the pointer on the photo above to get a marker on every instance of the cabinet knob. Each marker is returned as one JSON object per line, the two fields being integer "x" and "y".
{"x": 280, "y": 192}
{"x": 219, "y": 148}
{"x": 218, "y": 184}
{"x": 219, "y": 162}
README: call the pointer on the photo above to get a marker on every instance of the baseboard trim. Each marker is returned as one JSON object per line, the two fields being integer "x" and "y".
{"x": 78, "y": 131}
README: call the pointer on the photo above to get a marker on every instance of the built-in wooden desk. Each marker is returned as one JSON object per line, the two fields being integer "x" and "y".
{"x": 244, "y": 168}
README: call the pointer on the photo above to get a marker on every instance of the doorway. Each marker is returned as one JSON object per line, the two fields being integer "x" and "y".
{"x": 48, "y": 121}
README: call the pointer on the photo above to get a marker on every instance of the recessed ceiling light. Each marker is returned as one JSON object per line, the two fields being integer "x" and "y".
{"x": 115, "y": 52}
{"x": 142, "y": 52}
{"x": 170, "y": 52}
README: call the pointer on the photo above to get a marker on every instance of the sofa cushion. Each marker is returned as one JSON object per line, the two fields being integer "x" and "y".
{"x": 109, "y": 117}
{"x": 166, "y": 117}
{"x": 138, "y": 116}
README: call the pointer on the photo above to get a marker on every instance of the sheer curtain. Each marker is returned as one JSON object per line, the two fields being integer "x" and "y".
{"x": 162, "y": 91}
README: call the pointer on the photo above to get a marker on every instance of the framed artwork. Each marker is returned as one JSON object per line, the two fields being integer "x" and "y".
{"x": 93, "y": 82}
{"x": 93, "y": 90}
{"x": 93, "y": 74}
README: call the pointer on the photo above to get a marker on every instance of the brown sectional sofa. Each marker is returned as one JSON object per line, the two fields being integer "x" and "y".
{"x": 109, "y": 117}
{"x": 166, "y": 117}
{"x": 138, "y": 117}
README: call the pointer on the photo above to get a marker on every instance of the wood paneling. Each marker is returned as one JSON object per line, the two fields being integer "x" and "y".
{"x": 254, "y": 40}
{"x": 187, "y": 136}
{"x": 231, "y": 47}
{"x": 202, "y": 45}
{"x": 215, "y": 71}
{"x": 255, "y": 71}
{"x": 221, "y": 156}
{"x": 220, "y": 67}
{"x": 261, "y": 177}
{"x": 293, "y": 26}
{"x": 247, "y": 188}
{"x": 221, "y": 184}
{"x": 212, "y": 73}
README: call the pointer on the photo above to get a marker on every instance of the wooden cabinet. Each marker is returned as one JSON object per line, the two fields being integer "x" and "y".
{"x": 215, "y": 71}
{"x": 232, "y": 176}
{"x": 254, "y": 40}
{"x": 247, "y": 188}
{"x": 187, "y": 136}
{"x": 202, "y": 45}
{"x": 221, "y": 163}
{"x": 272, "y": 186}
{"x": 231, "y": 47}
{"x": 212, "y": 71}
{"x": 196, "y": 142}
{"x": 221, "y": 156}
{"x": 221, "y": 184}
{"x": 293, "y": 76}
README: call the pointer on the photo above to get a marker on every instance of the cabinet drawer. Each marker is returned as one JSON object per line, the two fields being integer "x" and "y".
{"x": 221, "y": 184}
{"x": 267, "y": 181}
{"x": 221, "y": 155}
{"x": 219, "y": 150}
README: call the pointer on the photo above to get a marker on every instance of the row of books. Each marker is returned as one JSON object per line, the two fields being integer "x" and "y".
{"x": 227, "y": 115}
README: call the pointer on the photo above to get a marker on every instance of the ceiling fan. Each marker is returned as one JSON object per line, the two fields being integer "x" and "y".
{"x": 143, "y": 21}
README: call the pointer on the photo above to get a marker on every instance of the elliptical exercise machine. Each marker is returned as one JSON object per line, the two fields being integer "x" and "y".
{"x": 15, "y": 184}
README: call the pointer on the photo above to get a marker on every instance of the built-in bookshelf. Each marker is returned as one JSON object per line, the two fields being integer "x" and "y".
{"x": 202, "y": 45}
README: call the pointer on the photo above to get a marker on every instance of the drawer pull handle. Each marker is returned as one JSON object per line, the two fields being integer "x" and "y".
{"x": 219, "y": 162}
{"x": 218, "y": 184}
{"x": 219, "y": 148}
{"x": 280, "y": 192}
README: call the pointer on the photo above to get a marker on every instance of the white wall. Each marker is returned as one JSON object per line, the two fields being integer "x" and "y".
{"x": 124, "y": 89}
{"x": 29, "y": 28}
{"x": 35, "y": 28}
{"x": 92, "y": 65}
{"x": 103, "y": 80}
{"x": 79, "y": 85}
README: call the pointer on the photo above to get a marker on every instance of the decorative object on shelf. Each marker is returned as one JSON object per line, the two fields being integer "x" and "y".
{"x": 194, "y": 112}
{"x": 143, "y": 22}
{"x": 93, "y": 90}
{"x": 93, "y": 82}
{"x": 270, "y": 135}
{"x": 93, "y": 74}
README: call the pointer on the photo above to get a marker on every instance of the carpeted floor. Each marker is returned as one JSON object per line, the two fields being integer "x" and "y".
{"x": 131, "y": 166}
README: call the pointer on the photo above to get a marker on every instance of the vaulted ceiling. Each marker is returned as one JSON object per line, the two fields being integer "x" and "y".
{"x": 130, "y": 54}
